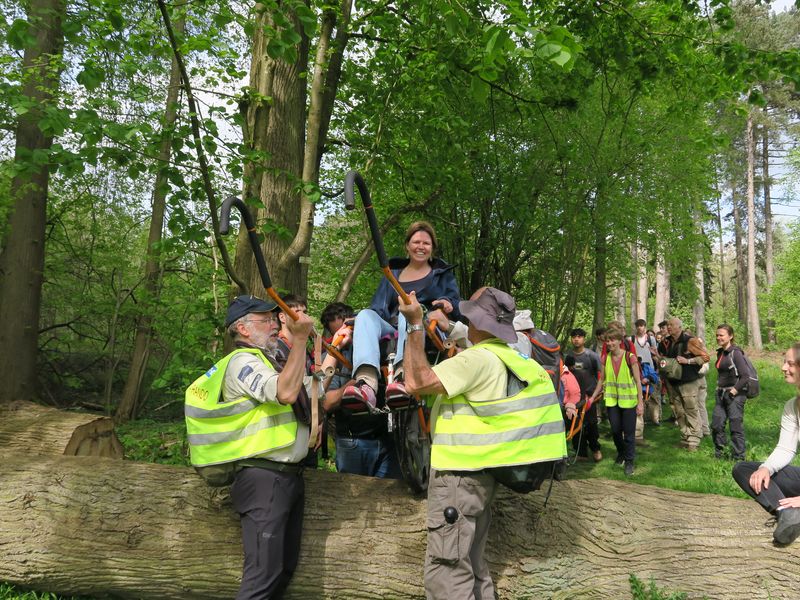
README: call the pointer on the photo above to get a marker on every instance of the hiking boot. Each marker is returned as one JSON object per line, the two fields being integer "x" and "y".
{"x": 396, "y": 395}
{"x": 718, "y": 453}
{"x": 788, "y": 528}
{"x": 682, "y": 444}
{"x": 641, "y": 443}
{"x": 359, "y": 397}
{"x": 597, "y": 456}
{"x": 628, "y": 468}
{"x": 692, "y": 448}
{"x": 619, "y": 460}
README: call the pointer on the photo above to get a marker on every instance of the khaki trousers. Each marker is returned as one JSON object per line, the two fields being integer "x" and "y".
{"x": 455, "y": 565}
{"x": 685, "y": 396}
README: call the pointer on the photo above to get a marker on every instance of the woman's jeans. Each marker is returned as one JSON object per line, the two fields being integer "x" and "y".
{"x": 368, "y": 330}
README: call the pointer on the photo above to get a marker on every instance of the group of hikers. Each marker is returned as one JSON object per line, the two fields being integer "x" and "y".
{"x": 495, "y": 413}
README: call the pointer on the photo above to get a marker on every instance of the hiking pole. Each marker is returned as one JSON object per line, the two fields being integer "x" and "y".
{"x": 354, "y": 177}
{"x": 249, "y": 223}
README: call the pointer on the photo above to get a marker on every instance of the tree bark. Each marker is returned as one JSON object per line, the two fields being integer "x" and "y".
{"x": 77, "y": 525}
{"x": 768, "y": 243}
{"x": 129, "y": 402}
{"x": 642, "y": 287}
{"x": 600, "y": 291}
{"x": 32, "y": 429}
{"x": 286, "y": 138}
{"x": 699, "y": 309}
{"x": 753, "y": 323}
{"x": 722, "y": 275}
{"x": 662, "y": 291}
{"x": 741, "y": 280}
{"x": 22, "y": 259}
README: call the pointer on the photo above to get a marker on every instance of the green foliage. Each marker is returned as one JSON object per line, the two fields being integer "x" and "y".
{"x": 145, "y": 440}
{"x": 640, "y": 591}
{"x": 10, "y": 592}
{"x": 784, "y": 299}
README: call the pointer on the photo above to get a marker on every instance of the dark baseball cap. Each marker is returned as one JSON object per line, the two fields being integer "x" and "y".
{"x": 244, "y": 305}
{"x": 493, "y": 312}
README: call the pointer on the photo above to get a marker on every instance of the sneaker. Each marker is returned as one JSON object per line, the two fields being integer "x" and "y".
{"x": 359, "y": 397}
{"x": 396, "y": 395}
{"x": 628, "y": 468}
{"x": 597, "y": 456}
{"x": 788, "y": 528}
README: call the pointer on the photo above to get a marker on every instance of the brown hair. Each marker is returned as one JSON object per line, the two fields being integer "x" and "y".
{"x": 727, "y": 328}
{"x": 614, "y": 333}
{"x": 421, "y": 226}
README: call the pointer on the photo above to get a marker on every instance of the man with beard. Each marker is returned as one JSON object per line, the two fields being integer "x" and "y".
{"x": 245, "y": 417}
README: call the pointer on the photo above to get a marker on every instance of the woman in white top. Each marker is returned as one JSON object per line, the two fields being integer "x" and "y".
{"x": 775, "y": 484}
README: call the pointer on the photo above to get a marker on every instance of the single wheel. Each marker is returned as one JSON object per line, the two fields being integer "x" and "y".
{"x": 413, "y": 447}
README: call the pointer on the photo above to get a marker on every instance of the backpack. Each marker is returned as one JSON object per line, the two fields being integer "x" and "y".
{"x": 753, "y": 387}
{"x": 546, "y": 351}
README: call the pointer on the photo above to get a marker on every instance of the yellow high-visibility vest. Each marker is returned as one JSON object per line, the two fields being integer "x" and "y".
{"x": 521, "y": 429}
{"x": 620, "y": 389}
{"x": 222, "y": 432}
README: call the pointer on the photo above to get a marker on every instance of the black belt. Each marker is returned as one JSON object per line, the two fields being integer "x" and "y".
{"x": 272, "y": 465}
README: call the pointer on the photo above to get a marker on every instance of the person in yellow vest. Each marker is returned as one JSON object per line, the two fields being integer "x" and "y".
{"x": 621, "y": 387}
{"x": 479, "y": 422}
{"x": 240, "y": 412}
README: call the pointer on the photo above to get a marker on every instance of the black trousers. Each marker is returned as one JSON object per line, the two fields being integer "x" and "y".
{"x": 623, "y": 428}
{"x": 729, "y": 409}
{"x": 270, "y": 506}
{"x": 783, "y": 484}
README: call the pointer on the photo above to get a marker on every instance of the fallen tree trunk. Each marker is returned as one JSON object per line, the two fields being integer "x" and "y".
{"x": 83, "y": 525}
{"x": 30, "y": 428}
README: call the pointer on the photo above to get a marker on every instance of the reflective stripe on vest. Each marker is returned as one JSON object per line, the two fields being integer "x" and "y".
{"x": 521, "y": 429}
{"x": 221, "y": 432}
{"x": 620, "y": 389}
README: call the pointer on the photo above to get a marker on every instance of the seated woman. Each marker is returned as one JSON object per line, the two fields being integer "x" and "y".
{"x": 775, "y": 484}
{"x": 435, "y": 285}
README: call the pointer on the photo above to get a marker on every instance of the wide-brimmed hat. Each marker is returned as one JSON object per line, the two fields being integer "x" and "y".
{"x": 523, "y": 321}
{"x": 493, "y": 312}
{"x": 244, "y": 305}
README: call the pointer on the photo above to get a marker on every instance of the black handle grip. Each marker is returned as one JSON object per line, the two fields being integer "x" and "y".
{"x": 354, "y": 177}
{"x": 252, "y": 236}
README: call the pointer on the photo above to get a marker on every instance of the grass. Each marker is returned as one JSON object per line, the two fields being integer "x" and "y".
{"x": 9, "y": 592}
{"x": 661, "y": 464}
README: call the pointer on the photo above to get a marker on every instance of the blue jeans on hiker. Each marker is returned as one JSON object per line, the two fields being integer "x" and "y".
{"x": 369, "y": 457}
{"x": 368, "y": 330}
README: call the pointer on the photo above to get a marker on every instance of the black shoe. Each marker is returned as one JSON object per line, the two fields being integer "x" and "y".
{"x": 788, "y": 528}
{"x": 619, "y": 460}
{"x": 628, "y": 468}
{"x": 717, "y": 453}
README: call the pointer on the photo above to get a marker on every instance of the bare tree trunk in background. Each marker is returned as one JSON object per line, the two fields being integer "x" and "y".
{"x": 662, "y": 291}
{"x": 600, "y": 291}
{"x": 634, "y": 285}
{"x": 22, "y": 258}
{"x": 722, "y": 275}
{"x": 621, "y": 307}
{"x": 129, "y": 402}
{"x": 753, "y": 324}
{"x": 768, "y": 251}
{"x": 699, "y": 309}
{"x": 741, "y": 280}
{"x": 642, "y": 287}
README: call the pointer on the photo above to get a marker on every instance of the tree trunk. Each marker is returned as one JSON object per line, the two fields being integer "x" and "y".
{"x": 31, "y": 429}
{"x": 722, "y": 275}
{"x": 289, "y": 137}
{"x": 133, "y": 530}
{"x": 768, "y": 244}
{"x": 753, "y": 323}
{"x": 662, "y": 291}
{"x": 129, "y": 402}
{"x": 699, "y": 309}
{"x": 22, "y": 259}
{"x": 621, "y": 305}
{"x": 642, "y": 287}
{"x": 740, "y": 266}
{"x": 600, "y": 291}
